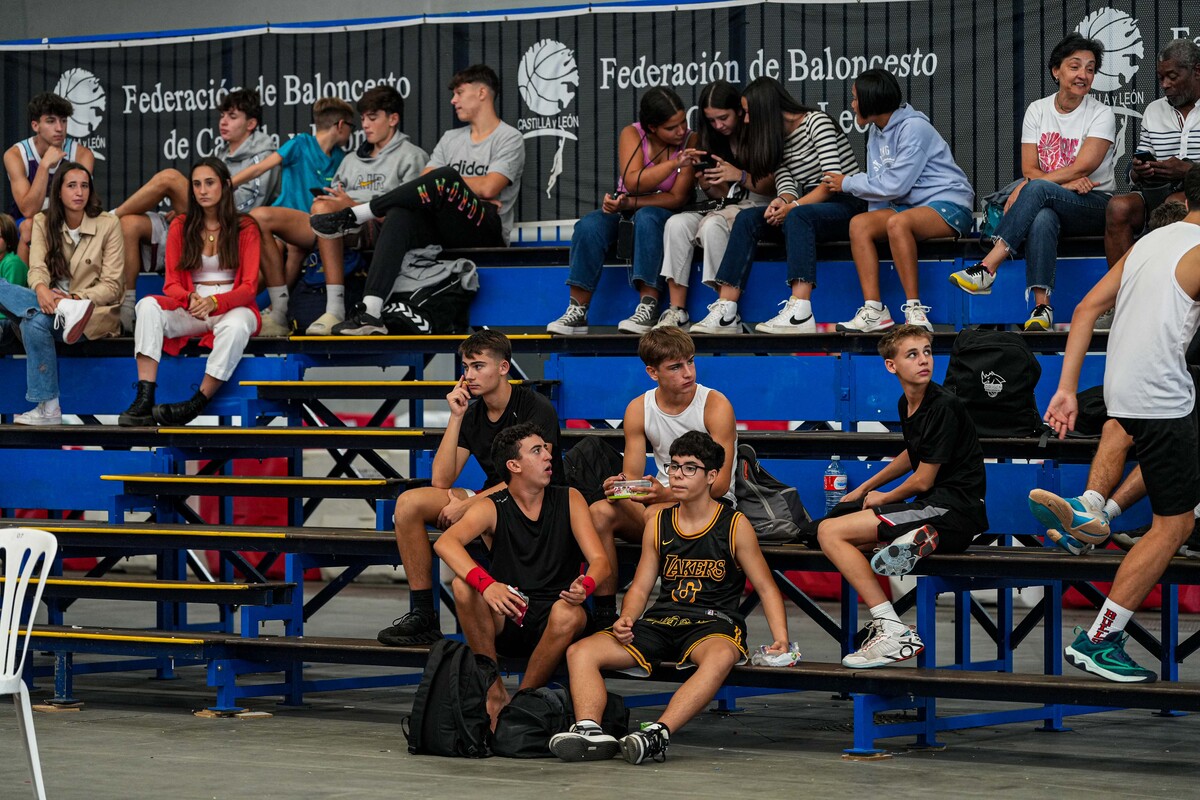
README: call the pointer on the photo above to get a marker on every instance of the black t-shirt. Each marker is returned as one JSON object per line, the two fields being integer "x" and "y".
{"x": 524, "y": 405}
{"x": 941, "y": 432}
{"x": 538, "y": 556}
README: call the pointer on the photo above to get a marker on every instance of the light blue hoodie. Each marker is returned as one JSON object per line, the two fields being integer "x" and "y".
{"x": 909, "y": 163}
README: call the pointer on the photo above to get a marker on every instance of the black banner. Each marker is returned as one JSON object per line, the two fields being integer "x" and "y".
{"x": 571, "y": 82}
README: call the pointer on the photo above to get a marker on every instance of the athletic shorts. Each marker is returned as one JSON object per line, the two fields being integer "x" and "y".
{"x": 658, "y": 639}
{"x": 1170, "y": 459}
{"x": 955, "y": 529}
{"x": 154, "y": 253}
{"x": 519, "y": 641}
{"x": 1153, "y": 197}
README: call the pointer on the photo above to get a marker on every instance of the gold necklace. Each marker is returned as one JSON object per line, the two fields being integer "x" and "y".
{"x": 211, "y": 231}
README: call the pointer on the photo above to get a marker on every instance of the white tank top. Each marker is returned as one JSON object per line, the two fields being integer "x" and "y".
{"x": 1145, "y": 376}
{"x": 662, "y": 428}
{"x": 210, "y": 271}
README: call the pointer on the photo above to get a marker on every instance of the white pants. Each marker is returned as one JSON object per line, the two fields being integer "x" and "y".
{"x": 711, "y": 231}
{"x": 231, "y": 331}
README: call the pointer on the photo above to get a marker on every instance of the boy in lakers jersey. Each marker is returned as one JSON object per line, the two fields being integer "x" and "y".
{"x": 703, "y": 551}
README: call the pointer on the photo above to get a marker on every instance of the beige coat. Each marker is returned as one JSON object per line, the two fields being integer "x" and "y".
{"x": 97, "y": 268}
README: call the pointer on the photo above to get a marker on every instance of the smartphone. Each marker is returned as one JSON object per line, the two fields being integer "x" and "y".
{"x": 624, "y": 490}
{"x": 318, "y": 192}
{"x": 1143, "y": 156}
{"x": 705, "y": 164}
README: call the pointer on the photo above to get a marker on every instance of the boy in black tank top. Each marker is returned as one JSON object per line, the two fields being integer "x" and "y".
{"x": 703, "y": 551}
{"x": 532, "y": 602}
{"x": 947, "y": 484}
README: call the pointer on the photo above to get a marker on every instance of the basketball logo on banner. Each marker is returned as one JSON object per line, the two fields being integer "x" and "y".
{"x": 547, "y": 79}
{"x": 1123, "y": 52}
{"x": 83, "y": 91}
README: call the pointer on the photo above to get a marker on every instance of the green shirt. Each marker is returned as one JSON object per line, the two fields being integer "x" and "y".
{"x": 13, "y": 270}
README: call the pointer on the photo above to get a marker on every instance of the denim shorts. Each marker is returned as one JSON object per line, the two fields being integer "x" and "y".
{"x": 960, "y": 218}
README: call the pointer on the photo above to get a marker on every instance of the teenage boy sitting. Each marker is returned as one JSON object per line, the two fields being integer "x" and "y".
{"x": 703, "y": 552}
{"x": 677, "y": 404}
{"x": 30, "y": 163}
{"x": 241, "y": 145}
{"x": 947, "y": 485}
{"x": 537, "y": 535}
{"x": 309, "y": 164}
{"x": 470, "y": 431}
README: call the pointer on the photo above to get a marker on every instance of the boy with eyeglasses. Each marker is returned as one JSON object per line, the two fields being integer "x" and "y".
{"x": 945, "y": 479}
{"x": 703, "y": 551}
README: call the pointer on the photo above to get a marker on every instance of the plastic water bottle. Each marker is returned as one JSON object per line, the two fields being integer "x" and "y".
{"x": 835, "y": 483}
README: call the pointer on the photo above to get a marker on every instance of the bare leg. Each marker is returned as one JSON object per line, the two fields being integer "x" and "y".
{"x": 416, "y": 508}
{"x": 147, "y": 368}
{"x": 621, "y": 518}
{"x": 564, "y": 626}
{"x": 678, "y": 294}
{"x": 585, "y": 659}
{"x": 865, "y": 230}
{"x": 1131, "y": 489}
{"x": 727, "y": 292}
{"x": 210, "y": 386}
{"x": 480, "y": 625}
{"x": 802, "y": 290}
{"x": 135, "y": 229}
{"x": 287, "y": 224}
{"x": 581, "y": 296}
{"x": 24, "y": 236}
{"x": 1109, "y": 462}
{"x": 170, "y": 184}
{"x": 841, "y": 539}
{"x": 1143, "y": 565}
{"x": 1124, "y": 215}
{"x": 904, "y": 230}
{"x": 333, "y": 251}
{"x": 714, "y": 659}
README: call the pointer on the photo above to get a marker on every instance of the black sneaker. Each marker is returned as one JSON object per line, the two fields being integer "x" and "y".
{"x": 649, "y": 743}
{"x": 415, "y": 627}
{"x": 334, "y": 225}
{"x": 584, "y": 742}
{"x": 361, "y": 324}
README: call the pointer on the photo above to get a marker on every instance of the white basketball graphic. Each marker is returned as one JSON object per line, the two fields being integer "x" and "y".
{"x": 1123, "y": 48}
{"x": 547, "y": 77}
{"x": 83, "y": 90}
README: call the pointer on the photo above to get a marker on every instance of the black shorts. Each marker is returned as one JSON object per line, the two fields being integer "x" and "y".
{"x": 658, "y": 639}
{"x": 519, "y": 641}
{"x": 1153, "y": 197}
{"x": 955, "y": 529}
{"x": 1170, "y": 459}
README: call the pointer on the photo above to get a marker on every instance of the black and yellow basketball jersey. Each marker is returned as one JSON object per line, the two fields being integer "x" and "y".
{"x": 699, "y": 570}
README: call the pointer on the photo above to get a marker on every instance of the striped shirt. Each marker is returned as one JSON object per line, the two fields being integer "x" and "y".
{"x": 1165, "y": 132}
{"x": 816, "y": 146}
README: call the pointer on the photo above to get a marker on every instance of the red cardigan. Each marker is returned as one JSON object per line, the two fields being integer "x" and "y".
{"x": 178, "y": 286}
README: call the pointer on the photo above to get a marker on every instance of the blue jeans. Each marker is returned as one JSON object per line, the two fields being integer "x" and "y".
{"x": 597, "y": 232}
{"x": 1044, "y": 209}
{"x": 802, "y": 228}
{"x": 39, "y": 334}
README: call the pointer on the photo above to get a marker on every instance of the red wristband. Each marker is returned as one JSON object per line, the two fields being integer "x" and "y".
{"x": 478, "y": 579}
{"x": 589, "y": 585}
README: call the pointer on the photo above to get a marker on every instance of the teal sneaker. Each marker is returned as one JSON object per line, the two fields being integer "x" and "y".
{"x": 1081, "y": 528}
{"x": 1107, "y": 659}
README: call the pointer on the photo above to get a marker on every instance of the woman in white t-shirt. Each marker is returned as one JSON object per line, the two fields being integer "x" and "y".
{"x": 1067, "y": 160}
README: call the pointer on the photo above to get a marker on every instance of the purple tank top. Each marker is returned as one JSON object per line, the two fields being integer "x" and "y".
{"x": 667, "y": 182}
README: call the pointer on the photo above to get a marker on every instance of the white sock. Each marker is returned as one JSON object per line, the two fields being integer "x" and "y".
{"x": 587, "y": 723}
{"x": 51, "y": 406}
{"x": 279, "y": 299}
{"x": 1113, "y": 510}
{"x": 129, "y": 298}
{"x": 874, "y": 305}
{"x": 1112, "y": 618}
{"x": 335, "y": 300}
{"x": 1093, "y": 499}
{"x": 885, "y": 612}
{"x": 362, "y": 213}
{"x": 374, "y": 305}
{"x": 802, "y": 308}
{"x": 730, "y": 305}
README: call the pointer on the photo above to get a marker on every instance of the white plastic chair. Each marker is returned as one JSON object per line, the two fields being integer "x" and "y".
{"x": 27, "y": 553}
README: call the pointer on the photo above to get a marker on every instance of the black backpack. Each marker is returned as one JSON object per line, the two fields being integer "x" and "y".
{"x": 525, "y": 725}
{"x": 442, "y": 307}
{"x": 771, "y": 506}
{"x": 994, "y": 373}
{"x": 449, "y": 714}
{"x": 588, "y": 464}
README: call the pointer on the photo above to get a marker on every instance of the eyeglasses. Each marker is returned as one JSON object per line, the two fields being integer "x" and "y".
{"x": 687, "y": 470}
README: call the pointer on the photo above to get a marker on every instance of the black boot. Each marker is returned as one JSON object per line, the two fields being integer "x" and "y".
{"x": 138, "y": 414}
{"x": 180, "y": 413}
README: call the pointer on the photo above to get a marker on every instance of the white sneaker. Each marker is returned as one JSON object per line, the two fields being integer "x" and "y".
{"x": 641, "y": 320}
{"x": 38, "y": 416}
{"x": 786, "y": 321}
{"x": 884, "y": 646}
{"x": 274, "y": 324}
{"x": 573, "y": 321}
{"x": 323, "y": 325}
{"x": 722, "y": 318}
{"x": 72, "y": 316}
{"x": 1040, "y": 319}
{"x": 673, "y": 318}
{"x": 898, "y": 557}
{"x": 868, "y": 320}
{"x": 914, "y": 314}
{"x": 584, "y": 743}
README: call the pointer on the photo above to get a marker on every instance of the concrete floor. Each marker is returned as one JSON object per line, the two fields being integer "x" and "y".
{"x": 136, "y": 738}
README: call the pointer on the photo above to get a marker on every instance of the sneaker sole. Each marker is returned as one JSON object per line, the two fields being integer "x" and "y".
{"x": 899, "y": 559}
{"x": 429, "y": 637}
{"x": 632, "y": 751}
{"x": 722, "y": 331}
{"x": 43, "y": 422}
{"x": 580, "y": 748}
{"x": 1035, "y": 325}
{"x": 72, "y": 336}
{"x": 1085, "y": 663}
{"x": 783, "y": 330}
{"x": 624, "y": 326}
{"x": 1069, "y": 543}
{"x": 842, "y": 328}
{"x": 968, "y": 288}
{"x": 1124, "y": 541}
{"x": 1054, "y": 512}
{"x": 565, "y": 330}
{"x": 886, "y": 661}
{"x": 338, "y": 235}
